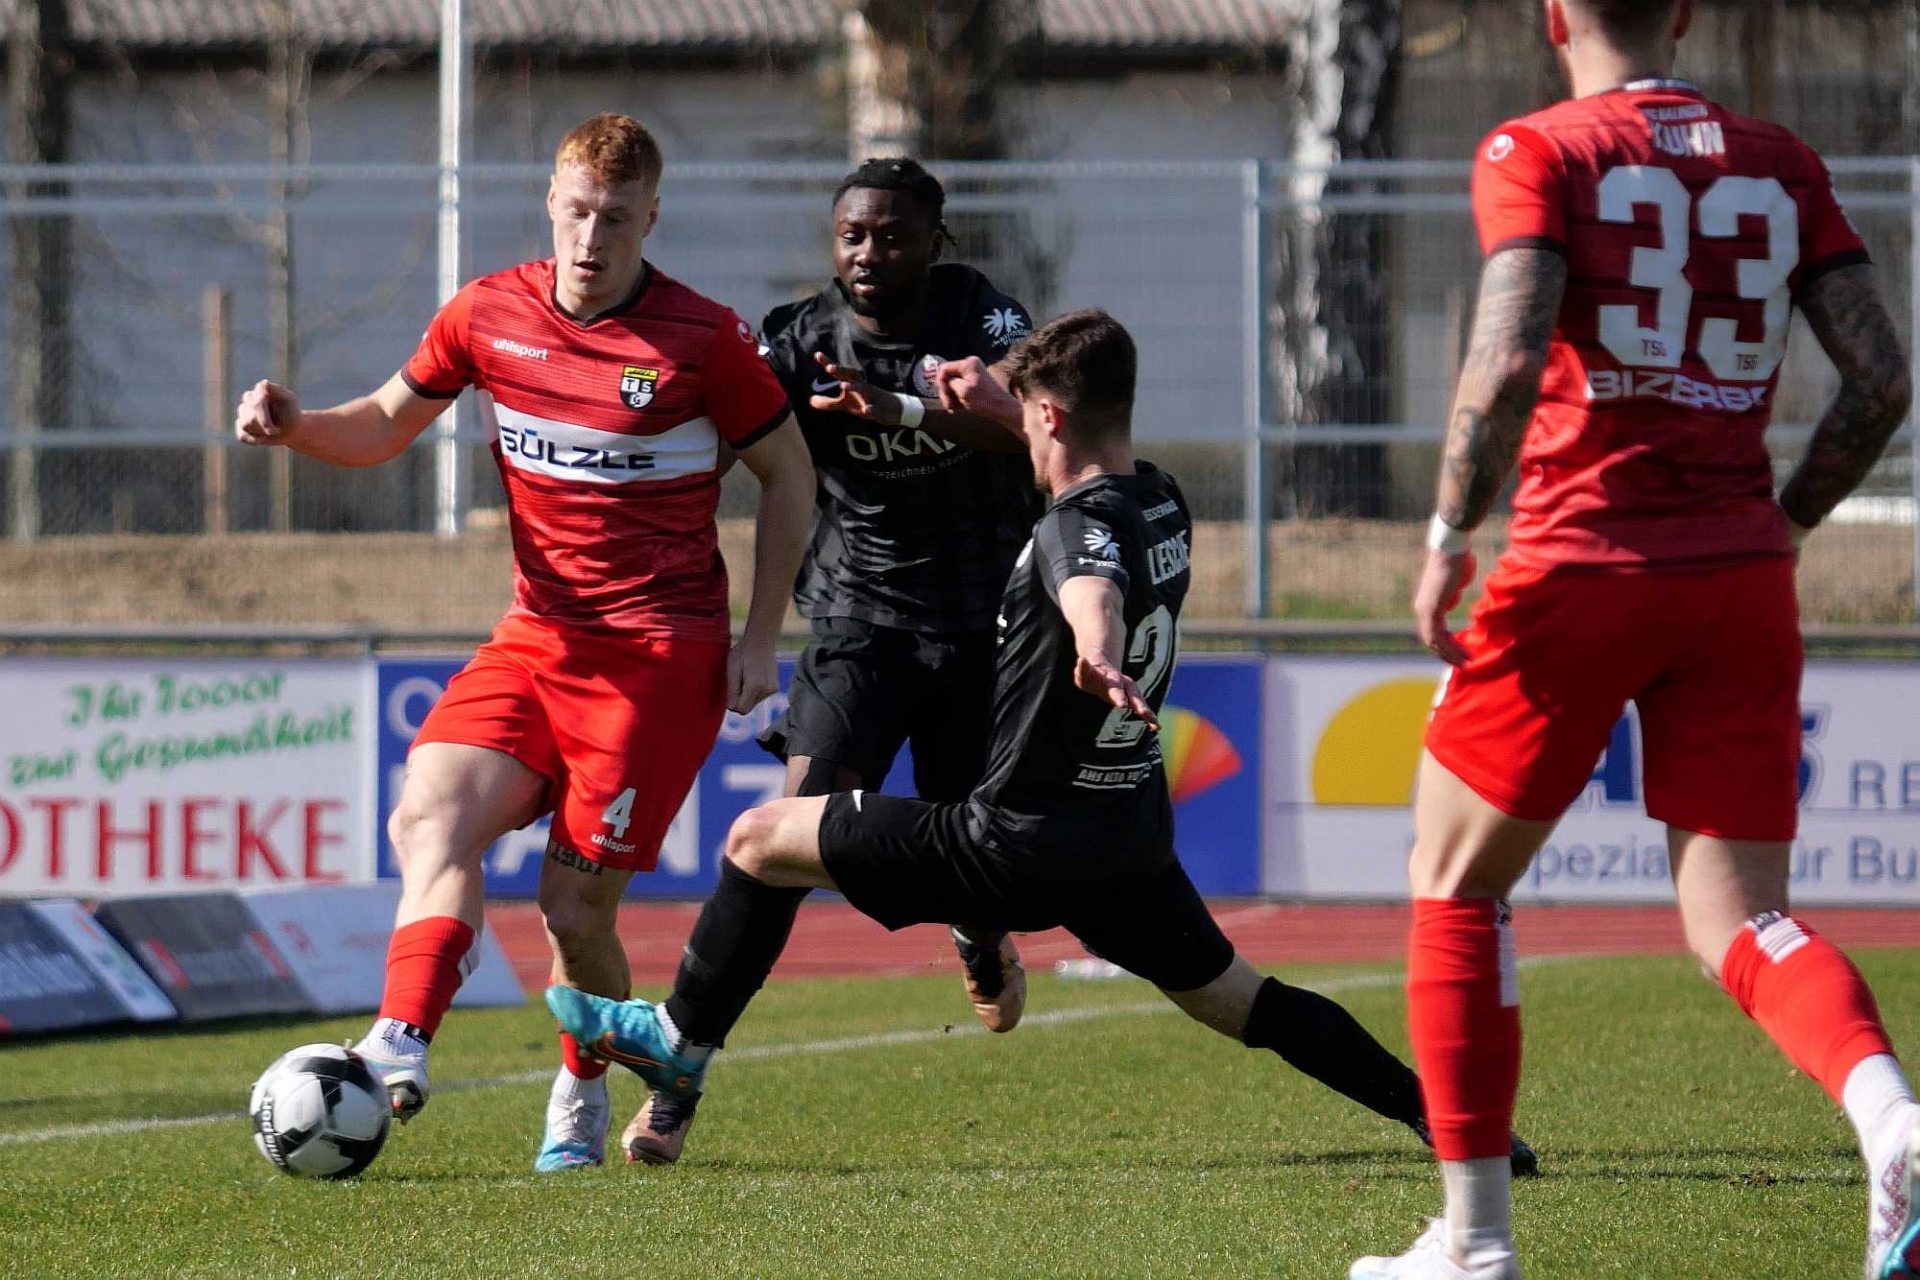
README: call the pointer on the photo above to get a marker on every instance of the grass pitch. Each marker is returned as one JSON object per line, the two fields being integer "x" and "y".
{"x": 1104, "y": 1138}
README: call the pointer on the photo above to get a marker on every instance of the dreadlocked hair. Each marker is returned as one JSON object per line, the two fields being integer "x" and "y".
{"x": 898, "y": 173}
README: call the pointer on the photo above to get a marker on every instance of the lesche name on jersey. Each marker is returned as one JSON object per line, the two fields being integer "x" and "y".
{"x": 1168, "y": 559}
{"x": 567, "y": 451}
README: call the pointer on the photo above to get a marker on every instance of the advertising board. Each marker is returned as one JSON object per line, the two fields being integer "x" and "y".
{"x": 334, "y": 938}
{"x": 1210, "y": 732}
{"x": 1343, "y": 741}
{"x": 206, "y": 953}
{"x": 140, "y": 776}
{"x": 44, "y": 984}
{"x": 129, "y": 984}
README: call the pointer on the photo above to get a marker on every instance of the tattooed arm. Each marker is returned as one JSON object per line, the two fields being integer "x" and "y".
{"x": 1520, "y": 294}
{"x": 1852, "y": 324}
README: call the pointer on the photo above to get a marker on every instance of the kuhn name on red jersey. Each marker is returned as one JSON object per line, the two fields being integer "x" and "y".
{"x": 1675, "y": 388}
{"x": 1706, "y": 138}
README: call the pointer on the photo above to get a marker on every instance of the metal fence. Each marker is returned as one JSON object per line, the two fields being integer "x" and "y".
{"x": 1299, "y": 333}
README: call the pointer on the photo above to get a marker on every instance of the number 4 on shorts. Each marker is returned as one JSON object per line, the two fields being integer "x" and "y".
{"x": 618, "y": 814}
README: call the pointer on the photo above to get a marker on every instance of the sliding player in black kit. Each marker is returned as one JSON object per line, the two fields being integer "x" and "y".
{"x": 920, "y": 512}
{"x": 1072, "y": 825}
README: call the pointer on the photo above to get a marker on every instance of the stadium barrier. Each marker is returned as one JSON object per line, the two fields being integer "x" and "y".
{"x": 1290, "y": 773}
{"x": 305, "y": 949}
{"x": 46, "y": 980}
{"x": 334, "y": 939}
{"x": 139, "y": 998}
{"x": 207, "y": 953}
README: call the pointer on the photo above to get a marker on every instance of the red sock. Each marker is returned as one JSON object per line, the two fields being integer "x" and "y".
{"x": 583, "y": 1067}
{"x": 1806, "y": 995}
{"x": 1463, "y": 1010}
{"x": 424, "y": 969}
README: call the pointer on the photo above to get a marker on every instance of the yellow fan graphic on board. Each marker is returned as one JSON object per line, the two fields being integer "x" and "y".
{"x": 1371, "y": 746}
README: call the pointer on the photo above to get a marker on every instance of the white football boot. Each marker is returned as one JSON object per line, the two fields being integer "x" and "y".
{"x": 1428, "y": 1260}
{"x": 578, "y": 1113}
{"x": 1893, "y": 1209}
{"x": 400, "y": 1060}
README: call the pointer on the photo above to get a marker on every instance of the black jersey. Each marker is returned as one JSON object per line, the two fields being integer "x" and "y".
{"x": 913, "y": 531}
{"x": 1075, "y": 788}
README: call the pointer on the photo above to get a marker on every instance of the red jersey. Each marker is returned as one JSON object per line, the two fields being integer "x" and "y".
{"x": 607, "y": 437}
{"x": 1688, "y": 231}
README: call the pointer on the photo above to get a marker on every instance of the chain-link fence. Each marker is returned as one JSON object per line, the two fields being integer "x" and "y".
{"x": 1299, "y": 334}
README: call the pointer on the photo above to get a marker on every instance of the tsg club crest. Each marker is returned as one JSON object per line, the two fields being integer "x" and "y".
{"x": 636, "y": 386}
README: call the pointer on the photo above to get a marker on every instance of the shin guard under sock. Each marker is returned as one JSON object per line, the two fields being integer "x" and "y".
{"x": 426, "y": 961}
{"x": 1806, "y": 995}
{"x": 1463, "y": 1010}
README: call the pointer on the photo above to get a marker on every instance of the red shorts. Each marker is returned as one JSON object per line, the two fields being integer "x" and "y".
{"x": 1711, "y": 658}
{"x": 619, "y": 724}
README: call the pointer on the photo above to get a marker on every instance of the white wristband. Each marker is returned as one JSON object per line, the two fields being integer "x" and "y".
{"x": 1446, "y": 539}
{"x": 912, "y": 410}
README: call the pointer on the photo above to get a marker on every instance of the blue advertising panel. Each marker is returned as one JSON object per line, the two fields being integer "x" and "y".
{"x": 1211, "y": 731}
{"x": 1211, "y": 735}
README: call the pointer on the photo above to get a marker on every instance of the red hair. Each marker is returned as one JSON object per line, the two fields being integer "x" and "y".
{"x": 613, "y": 148}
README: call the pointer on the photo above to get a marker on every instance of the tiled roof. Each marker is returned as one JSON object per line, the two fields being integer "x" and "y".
{"x": 1165, "y": 24}
{"x": 1136, "y": 25}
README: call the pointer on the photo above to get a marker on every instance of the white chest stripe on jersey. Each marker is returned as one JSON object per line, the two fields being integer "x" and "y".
{"x": 567, "y": 451}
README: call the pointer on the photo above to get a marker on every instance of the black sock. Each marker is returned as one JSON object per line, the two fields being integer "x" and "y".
{"x": 1314, "y": 1035}
{"x": 741, "y": 932}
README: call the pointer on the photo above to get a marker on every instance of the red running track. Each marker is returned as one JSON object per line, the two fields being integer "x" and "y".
{"x": 832, "y": 939}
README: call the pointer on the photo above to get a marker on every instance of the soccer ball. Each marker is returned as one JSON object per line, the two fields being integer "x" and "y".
{"x": 320, "y": 1112}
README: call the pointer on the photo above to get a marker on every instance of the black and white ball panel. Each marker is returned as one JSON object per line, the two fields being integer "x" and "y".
{"x": 320, "y": 1112}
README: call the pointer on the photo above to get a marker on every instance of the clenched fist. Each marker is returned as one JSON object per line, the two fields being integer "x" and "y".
{"x": 968, "y": 386}
{"x": 268, "y": 413}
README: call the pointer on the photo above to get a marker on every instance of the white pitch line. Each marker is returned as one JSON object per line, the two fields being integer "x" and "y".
{"x": 752, "y": 1053}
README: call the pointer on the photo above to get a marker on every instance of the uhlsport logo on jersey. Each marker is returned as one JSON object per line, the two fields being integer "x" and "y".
{"x": 636, "y": 386}
{"x": 1199, "y": 756}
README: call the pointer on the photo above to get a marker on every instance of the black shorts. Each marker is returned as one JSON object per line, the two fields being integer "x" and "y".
{"x": 904, "y": 861}
{"x": 861, "y": 691}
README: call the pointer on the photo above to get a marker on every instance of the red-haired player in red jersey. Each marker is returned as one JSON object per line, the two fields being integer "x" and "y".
{"x": 615, "y": 394}
{"x": 1645, "y": 248}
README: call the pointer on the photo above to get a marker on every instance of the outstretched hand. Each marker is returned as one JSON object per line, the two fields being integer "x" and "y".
{"x": 855, "y": 395}
{"x": 1113, "y": 686}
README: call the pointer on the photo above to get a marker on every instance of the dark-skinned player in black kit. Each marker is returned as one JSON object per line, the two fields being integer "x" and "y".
{"x": 919, "y": 513}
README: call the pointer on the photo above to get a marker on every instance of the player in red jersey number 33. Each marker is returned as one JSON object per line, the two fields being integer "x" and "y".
{"x": 613, "y": 395}
{"x": 1645, "y": 248}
